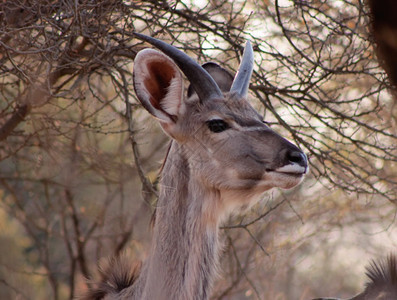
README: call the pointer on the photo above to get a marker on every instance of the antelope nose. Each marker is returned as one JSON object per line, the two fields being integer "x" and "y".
{"x": 297, "y": 157}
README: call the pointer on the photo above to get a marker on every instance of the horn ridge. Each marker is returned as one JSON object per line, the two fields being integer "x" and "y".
{"x": 202, "y": 82}
{"x": 242, "y": 80}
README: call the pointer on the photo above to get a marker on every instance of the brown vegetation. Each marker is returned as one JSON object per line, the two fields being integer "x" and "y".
{"x": 78, "y": 167}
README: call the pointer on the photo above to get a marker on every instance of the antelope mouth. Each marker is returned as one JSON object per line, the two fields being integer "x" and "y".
{"x": 294, "y": 170}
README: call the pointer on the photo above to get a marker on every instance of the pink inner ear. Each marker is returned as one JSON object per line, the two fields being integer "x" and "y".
{"x": 159, "y": 79}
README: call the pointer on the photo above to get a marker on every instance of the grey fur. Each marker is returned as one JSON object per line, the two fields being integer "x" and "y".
{"x": 382, "y": 281}
{"x": 206, "y": 176}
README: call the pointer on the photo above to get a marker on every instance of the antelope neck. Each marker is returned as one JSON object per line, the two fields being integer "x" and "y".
{"x": 184, "y": 251}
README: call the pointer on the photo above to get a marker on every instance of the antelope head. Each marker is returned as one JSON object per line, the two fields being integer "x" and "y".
{"x": 224, "y": 140}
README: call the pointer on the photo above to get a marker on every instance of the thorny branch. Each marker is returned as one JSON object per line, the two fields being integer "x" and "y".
{"x": 74, "y": 155}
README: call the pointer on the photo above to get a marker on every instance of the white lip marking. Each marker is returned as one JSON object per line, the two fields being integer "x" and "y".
{"x": 292, "y": 168}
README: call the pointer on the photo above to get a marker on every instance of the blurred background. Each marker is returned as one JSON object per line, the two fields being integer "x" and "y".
{"x": 80, "y": 159}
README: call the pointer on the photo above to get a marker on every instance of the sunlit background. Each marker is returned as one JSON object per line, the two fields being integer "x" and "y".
{"x": 79, "y": 158}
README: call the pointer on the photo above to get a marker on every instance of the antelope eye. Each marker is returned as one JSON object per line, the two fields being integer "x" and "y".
{"x": 217, "y": 125}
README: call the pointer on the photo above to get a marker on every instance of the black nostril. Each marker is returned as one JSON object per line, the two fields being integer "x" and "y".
{"x": 297, "y": 157}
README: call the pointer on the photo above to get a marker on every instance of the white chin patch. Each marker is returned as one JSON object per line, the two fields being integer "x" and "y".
{"x": 292, "y": 169}
{"x": 285, "y": 177}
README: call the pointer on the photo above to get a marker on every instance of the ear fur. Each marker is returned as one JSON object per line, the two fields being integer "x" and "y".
{"x": 222, "y": 77}
{"x": 158, "y": 85}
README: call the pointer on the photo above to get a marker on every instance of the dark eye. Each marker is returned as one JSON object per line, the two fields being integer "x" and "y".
{"x": 217, "y": 125}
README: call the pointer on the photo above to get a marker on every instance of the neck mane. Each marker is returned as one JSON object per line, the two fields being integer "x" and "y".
{"x": 184, "y": 251}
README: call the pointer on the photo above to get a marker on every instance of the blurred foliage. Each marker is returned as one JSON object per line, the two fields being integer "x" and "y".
{"x": 79, "y": 159}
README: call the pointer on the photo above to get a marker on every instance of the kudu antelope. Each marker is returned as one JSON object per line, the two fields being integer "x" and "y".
{"x": 382, "y": 281}
{"x": 222, "y": 157}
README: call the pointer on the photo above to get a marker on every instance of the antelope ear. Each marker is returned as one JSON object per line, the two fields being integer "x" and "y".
{"x": 222, "y": 77}
{"x": 158, "y": 85}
